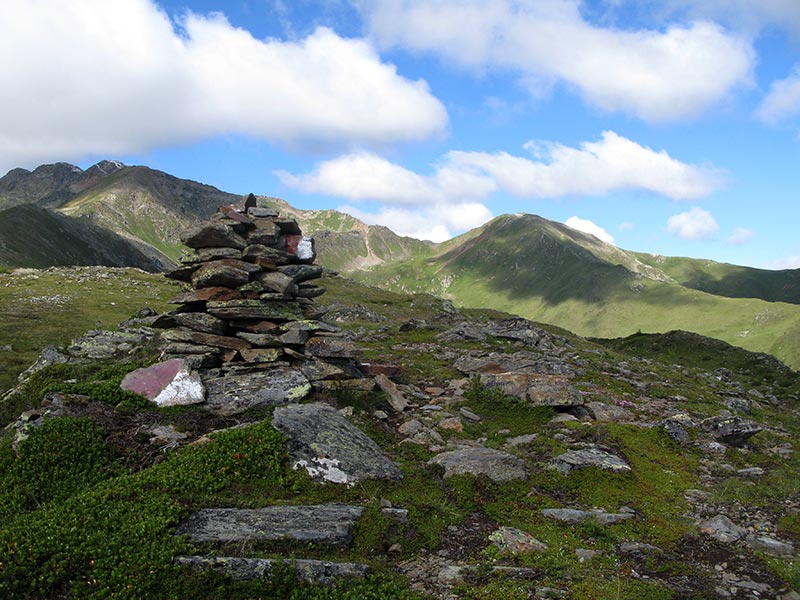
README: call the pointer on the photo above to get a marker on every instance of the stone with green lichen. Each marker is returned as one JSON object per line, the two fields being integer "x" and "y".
{"x": 233, "y": 394}
{"x": 329, "y": 447}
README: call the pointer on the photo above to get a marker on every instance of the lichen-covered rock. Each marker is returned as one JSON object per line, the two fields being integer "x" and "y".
{"x": 590, "y": 457}
{"x": 330, "y": 347}
{"x": 573, "y": 515}
{"x": 320, "y": 524}
{"x": 329, "y": 447}
{"x": 515, "y": 541}
{"x": 98, "y": 344}
{"x": 49, "y": 356}
{"x": 494, "y": 464}
{"x": 538, "y": 389}
{"x": 233, "y": 394}
{"x": 733, "y": 431}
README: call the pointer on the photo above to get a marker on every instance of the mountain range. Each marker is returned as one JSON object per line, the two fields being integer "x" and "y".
{"x": 118, "y": 215}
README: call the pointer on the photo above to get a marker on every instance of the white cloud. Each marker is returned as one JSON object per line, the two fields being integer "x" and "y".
{"x": 741, "y": 236}
{"x": 783, "y": 100}
{"x": 450, "y": 199}
{"x": 437, "y": 223}
{"x": 787, "y": 262}
{"x": 626, "y": 226}
{"x": 695, "y": 224}
{"x": 589, "y": 227}
{"x": 654, "y": 74}
{"x": 614, "y": 163}
{"x": 367, "y": 177}
{"x": 94, "y": 77}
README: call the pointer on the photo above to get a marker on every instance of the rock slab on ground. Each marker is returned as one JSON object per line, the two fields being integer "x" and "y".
{"x": 590, "y": 457}
{"x": 329, "y": 447}
{"x": 495, "y": 464}
{"x": 233, "y": 394}
{"x": 330, "y": 524}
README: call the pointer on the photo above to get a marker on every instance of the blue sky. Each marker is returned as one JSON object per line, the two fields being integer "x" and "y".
{"x": 667, "y": 126}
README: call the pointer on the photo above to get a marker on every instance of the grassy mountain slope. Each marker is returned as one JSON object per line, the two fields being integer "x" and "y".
{"x": 148, "y": 205}
{"x": 53, "y": 306}
{"x": 728, "y": 280}
{"x": 550, "y": 273}
{"x": 32, "y": 236}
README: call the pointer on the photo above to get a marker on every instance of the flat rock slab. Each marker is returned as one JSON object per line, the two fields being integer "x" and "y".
{"x": 590, "y": 457}
{"x": 573, "y": 515}
{"x": 538, "y": 389}
{"x": 168, "y": 383}
{"x": 330, "y": 524}
{"x": 329, "y": 447}
{"x": 234, "y": 394}
{"x": 495, "y": 464}
{"x": 312, "y": 571}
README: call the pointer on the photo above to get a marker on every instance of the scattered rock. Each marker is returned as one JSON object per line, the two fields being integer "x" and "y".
{"x": 538, "y": 389}
{"x": 329, "y": 447}
{"x": 638, "y": 548}
{"x": 514, "y": 541}
{"x": 572, "y": 515}
{"x": 590, "y": 457}
{"x": 495, "y": 464}
{"x": 607, "y": 412}
{"x": 773, "y": 546}
{"x": 396, "y": 399}
{"x": 731, "y": 430}
{"x": 722, "y": 529}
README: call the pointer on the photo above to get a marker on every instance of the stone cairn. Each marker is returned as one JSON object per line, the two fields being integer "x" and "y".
{"x": 250, "y": 324}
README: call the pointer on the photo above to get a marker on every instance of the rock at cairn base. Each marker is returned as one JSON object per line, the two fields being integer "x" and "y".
{"x": 248, "y": 323}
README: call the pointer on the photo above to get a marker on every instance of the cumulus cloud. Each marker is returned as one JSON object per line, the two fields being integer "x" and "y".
{"x": 694, "y": 224}
{"x": 365, "y": 176}
{"x": 595, "y": 168}
{"x": 452, "y": 195}
{"x": 654, "y": 74}
{"x": 587, "y": 226}
{"x": 97, "y": 77}
{"x": 740, "y": 236}
{"x": 783, "y": 99}
{"x": 435, "y": 223}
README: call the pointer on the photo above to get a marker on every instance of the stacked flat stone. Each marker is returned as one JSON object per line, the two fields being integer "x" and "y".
{"x": 251, "y": 307}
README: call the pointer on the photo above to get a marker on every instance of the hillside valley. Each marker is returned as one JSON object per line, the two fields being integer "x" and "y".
{"x": 521, "y": 264}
